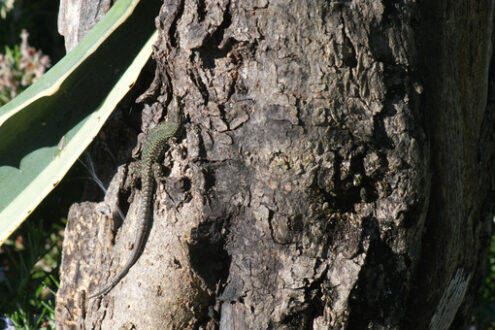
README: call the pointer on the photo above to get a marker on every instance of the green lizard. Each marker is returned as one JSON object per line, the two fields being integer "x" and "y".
{"x": 154, "y": 146}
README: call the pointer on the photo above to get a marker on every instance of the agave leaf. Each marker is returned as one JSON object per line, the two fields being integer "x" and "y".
{"x": 46, "y": 128}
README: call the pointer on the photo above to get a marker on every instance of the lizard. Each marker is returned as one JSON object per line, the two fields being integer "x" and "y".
{"x": 153, "y": 148}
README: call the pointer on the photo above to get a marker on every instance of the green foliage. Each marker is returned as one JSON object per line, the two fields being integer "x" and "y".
{"x": 30, "y": 259}
{"x": 45, "y": 129}
{"x": 30, "y": 265}
{"x": 484, "y": 313}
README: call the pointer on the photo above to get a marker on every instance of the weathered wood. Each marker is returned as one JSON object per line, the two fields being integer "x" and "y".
{"x": 77, "y": 17}
{"x": 334, "y": 172}
{"x": 455, "y": 55}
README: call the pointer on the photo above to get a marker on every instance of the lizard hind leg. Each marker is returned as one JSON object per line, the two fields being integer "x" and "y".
{"x": 158, "y": 172}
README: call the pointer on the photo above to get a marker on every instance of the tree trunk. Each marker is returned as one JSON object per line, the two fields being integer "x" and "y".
{"x": 334, "y": 172}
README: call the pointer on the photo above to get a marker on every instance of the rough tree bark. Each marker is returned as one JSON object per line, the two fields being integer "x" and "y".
{"x": 334, "y": 172}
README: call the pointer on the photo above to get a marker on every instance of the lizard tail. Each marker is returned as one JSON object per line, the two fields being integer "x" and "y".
{"x": 144, "y": 213}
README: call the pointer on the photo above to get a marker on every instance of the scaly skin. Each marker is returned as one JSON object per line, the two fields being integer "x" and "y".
{"x": 154, "y": 146}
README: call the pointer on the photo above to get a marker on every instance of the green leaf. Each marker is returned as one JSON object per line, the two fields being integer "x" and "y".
{"x": 45, "y": 129}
